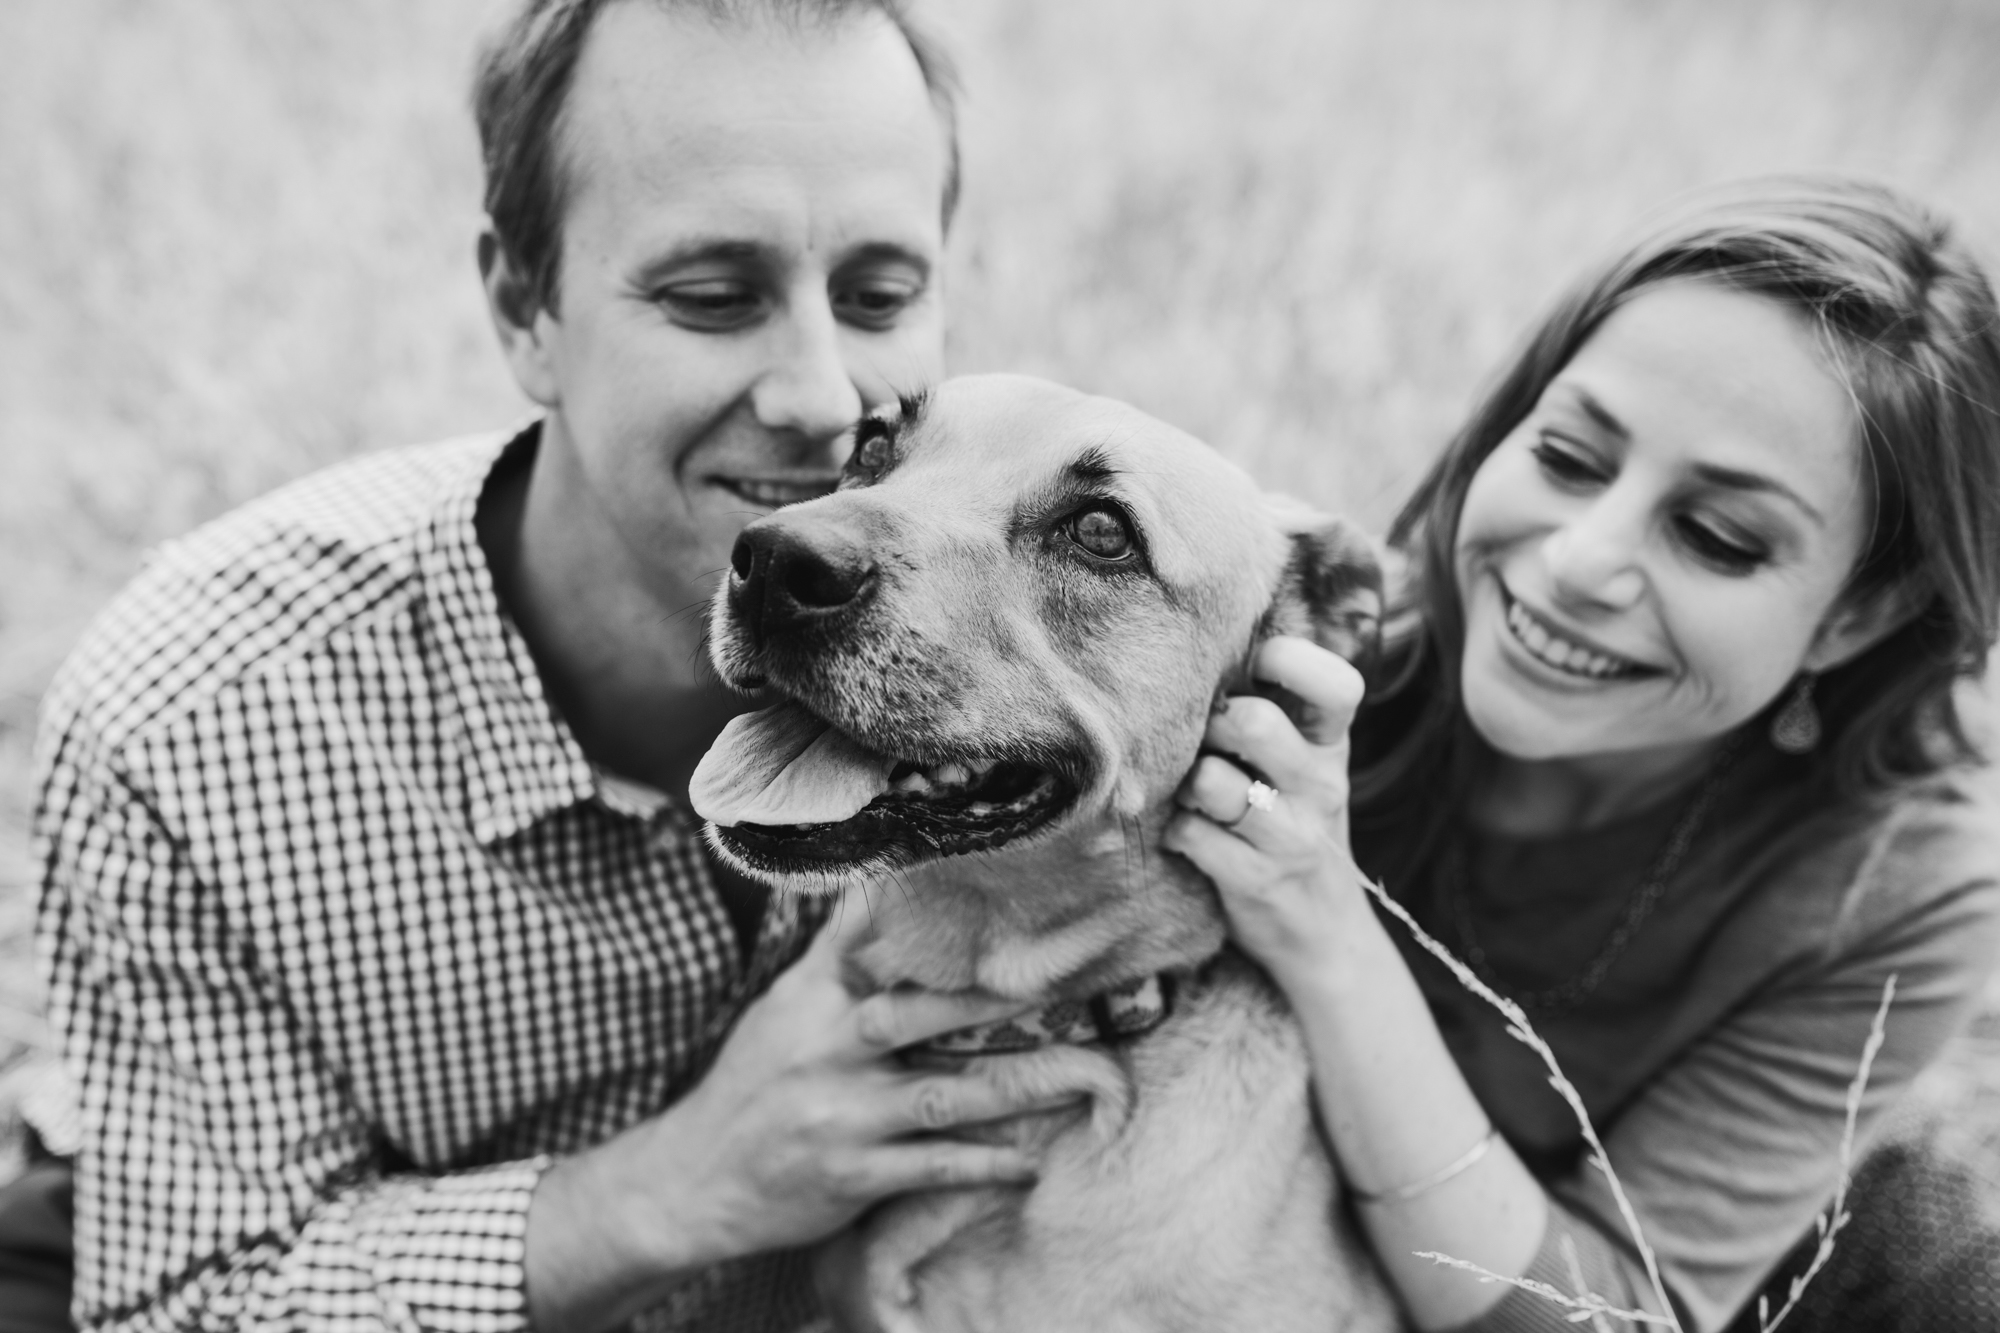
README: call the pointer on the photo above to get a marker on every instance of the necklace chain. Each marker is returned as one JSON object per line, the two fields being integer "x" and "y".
{"x": 1571, "y": 992}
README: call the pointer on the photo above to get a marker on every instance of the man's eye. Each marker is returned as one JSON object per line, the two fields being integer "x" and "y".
{"x": 1715, "y": 549}
{"x": 711, "y": 305}
{"x": 875, "y": 303}
{"x": 1102, "y": 532}
{"x": 1565, "y": 465}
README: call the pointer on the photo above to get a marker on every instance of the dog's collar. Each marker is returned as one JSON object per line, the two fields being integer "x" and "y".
{"x": 1125, "y": 1011}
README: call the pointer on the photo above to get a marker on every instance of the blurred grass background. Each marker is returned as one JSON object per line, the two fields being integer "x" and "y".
{"x": 237, "y": 242}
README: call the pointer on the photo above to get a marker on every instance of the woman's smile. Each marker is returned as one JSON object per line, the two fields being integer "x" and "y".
{"x": 1560, "y": 650}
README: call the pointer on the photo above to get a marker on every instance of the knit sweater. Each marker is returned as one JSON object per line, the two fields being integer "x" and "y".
{"x": 1716, "y": 1054}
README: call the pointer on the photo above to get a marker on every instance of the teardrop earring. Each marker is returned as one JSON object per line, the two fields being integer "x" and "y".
{"x": 1796, "y": 729}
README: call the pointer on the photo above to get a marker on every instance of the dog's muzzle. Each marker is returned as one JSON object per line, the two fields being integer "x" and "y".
{"x": 788, "y": 576}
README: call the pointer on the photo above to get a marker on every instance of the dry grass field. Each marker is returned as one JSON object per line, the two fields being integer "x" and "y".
{"x": 236, "y": 243}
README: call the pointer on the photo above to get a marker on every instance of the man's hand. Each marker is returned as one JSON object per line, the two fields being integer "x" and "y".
{"x": 804, "y": 1121}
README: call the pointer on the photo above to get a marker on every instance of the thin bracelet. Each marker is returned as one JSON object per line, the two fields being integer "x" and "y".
{"x": 1403, "y": 1193}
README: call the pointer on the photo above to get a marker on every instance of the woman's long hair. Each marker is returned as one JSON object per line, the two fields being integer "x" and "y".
{"x": 1908, "y": 322}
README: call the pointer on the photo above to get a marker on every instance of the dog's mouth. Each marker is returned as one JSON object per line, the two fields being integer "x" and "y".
{"x": 788, "y": 793}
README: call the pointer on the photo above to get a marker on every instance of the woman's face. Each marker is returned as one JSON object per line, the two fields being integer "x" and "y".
{"x": 1660, "y": 546}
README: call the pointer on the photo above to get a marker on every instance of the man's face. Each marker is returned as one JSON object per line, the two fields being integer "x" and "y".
{"x": 750, "y": 261}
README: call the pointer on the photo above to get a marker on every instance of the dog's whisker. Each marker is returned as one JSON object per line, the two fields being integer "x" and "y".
{"x": 1125, "y": 852}
{"x": 902, "y": 883}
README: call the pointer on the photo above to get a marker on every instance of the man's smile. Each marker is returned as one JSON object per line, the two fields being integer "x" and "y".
{"x": 772, "y": 492}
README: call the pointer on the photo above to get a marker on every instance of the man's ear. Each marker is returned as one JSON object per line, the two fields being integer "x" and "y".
{"x": 520, "y": 319}
{"x": 1331, "y": 588}
{"x": 1856, "y": 624}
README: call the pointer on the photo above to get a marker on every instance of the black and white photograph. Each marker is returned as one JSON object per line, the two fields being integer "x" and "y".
{"x": 999, "y": 666}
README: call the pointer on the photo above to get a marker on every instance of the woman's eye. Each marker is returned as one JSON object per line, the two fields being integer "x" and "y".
{"x": 711, "y": 305}
{"x": 1727, "y": 554}
{"x": 875, "y": 303}
{"x": 1564, "y": 465}
{"x": 1103, "y": 533}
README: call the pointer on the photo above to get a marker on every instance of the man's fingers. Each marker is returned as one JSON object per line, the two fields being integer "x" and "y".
{"x": 943, "y": 1164}
{"x": 894, "y": 1019}
{"x": 1327, "y": 684}
{"x": 946, "y": 1101}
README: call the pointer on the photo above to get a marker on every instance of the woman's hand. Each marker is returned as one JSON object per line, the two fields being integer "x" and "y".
{"x": 1281, "y": 863}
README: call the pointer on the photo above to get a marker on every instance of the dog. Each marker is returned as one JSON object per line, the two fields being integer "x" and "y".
{"x": 997, "y": 644}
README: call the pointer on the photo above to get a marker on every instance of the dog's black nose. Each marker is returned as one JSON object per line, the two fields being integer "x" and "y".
{"x": 785, "y": 574}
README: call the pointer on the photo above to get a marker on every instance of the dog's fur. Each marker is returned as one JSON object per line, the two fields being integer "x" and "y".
{"x": 940, "y": 608}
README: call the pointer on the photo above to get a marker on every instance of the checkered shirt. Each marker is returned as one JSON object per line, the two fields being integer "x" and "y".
{"x": 345, "y": 937}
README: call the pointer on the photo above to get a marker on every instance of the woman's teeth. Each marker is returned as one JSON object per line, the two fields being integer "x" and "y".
{"x": 1565, "y": 655}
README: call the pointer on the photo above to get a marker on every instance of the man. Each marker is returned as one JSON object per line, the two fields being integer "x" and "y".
{"x": 375, "y": 925}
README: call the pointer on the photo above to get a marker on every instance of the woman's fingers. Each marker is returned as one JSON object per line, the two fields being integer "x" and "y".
{"x": 1223, "y": 857}
{"x": 1325, "y": 683}
{"x": 1216, "y": 788}
{"x": 1257, "y": 732}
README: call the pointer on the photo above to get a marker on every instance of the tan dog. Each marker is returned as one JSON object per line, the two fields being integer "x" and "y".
{"x": 1000, "y": 641}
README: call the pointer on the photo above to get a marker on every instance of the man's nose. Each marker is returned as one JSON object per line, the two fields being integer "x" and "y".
{"x": 1593, "y": 559}
{"x": 807, "y": 389}
{"x": 786, "y": 575}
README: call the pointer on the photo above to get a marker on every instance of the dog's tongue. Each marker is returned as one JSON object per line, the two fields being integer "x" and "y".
{"x": 782, "y": 765}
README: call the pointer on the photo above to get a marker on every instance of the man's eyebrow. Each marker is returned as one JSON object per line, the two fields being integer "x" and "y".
{"x": 697, "y": 249}
{"x": 1757, "y": 483}
{"x": 884, "y": 252}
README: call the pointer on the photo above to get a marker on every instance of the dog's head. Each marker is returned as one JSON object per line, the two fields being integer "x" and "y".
{"x": 1012, "y": 616}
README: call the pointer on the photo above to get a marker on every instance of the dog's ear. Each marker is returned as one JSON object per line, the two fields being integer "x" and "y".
{"x": 1331, "y": 587}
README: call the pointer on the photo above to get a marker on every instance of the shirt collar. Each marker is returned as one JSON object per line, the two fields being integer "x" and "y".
{"x": 519, "y": 760}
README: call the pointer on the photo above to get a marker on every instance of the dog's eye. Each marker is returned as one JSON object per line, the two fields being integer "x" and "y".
{"x": 1103, "y": 533}
{"x": 875, "y": 452}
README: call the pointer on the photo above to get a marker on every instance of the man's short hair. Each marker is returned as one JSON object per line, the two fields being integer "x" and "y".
{"x": 523, "y": 81}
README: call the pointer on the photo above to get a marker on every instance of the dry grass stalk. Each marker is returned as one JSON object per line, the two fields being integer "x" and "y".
{"x": 1583, "y": 1306}
{"x": 1587, "y": 1305}
{"x": 1522, "y": 1031}
{"x": 1836, "y": 1216}
{"x": 1574, "y": 1262}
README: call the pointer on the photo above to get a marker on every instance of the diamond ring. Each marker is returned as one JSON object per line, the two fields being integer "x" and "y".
{"x": 1260, "y": 796}
{"x": 1257, "y": 796}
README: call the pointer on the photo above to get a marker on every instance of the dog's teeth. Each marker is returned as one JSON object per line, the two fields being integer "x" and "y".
{"x": 914, "y": 782}
{"x": 980, "y": 808}
{"x": 950, "y": 775}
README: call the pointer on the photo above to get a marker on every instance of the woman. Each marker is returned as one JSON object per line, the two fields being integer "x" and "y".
{"x": 1665, "y": 748}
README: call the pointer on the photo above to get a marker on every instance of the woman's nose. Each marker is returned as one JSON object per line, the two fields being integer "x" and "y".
{"x": 806, "y": 388}
{"x": 1593, "y": 560}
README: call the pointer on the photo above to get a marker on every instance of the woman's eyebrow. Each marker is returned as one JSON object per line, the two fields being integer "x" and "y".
{"x": 1606, "y": 420}
{"x": 1715, "y": 474}
{"x": 1736, "y": 480}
